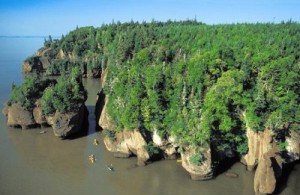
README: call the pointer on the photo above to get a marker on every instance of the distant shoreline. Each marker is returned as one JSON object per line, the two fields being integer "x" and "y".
{"x": 29, "y": 36}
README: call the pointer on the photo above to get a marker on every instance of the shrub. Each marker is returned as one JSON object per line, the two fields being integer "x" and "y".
{"x": 196, "y": 159}
{"x": 151, "y": 149}
{"x": 111, "y": 135}
{"x": 26, "y": 93}
{"x": 66, "y": 95}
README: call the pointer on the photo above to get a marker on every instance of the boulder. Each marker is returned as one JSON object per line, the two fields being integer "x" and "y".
{"x": 18, "y": 116}
{"x": 65, "y": 124}
{"x": 204, "y": 171}
{"x": 128, "y": 142}
{"x": 231, "y": 174}
{"x": 268, "y": 170}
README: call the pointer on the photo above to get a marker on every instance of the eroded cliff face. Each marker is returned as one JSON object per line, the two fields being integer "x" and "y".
{"x": 263, "y": 157}
{"x": 129, "y": 142}
{"x": 258, "y": 144}
{"x": 268, "y": 171}
{"x": 266, "y": 159}
{"x": 124, "y": 143}
{"x": 204, "y": 170}
{"x": 17, "y": 116}
{"x": 38, "y": 114}
{"x": 66, "y": 124}
{"x": 63, "y": 124}
{"x": 41, "y": 61}
{"x": 167, "y": 145}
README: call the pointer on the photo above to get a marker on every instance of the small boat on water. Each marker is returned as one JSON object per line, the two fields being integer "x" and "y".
{"x": 110, "y": 167}
{"x": 96, "y": 142}
{"x": 92, "y": 158}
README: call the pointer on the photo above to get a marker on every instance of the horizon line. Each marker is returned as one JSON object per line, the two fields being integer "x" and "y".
{"x": 28, "y": 36}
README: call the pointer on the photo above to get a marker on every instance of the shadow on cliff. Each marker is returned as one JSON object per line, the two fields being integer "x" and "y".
{"x": 98, "y": 108}
{"x": 89, "y": 125}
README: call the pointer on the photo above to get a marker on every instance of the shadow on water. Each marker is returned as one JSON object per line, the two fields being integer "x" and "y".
{"x": 283, "y": 180}
{"x": 225, "y": 165}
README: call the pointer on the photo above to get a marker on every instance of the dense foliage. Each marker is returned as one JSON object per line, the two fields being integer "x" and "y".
{"x": 63, "y": 95}
{"x": 29, "y": 91}
{"x": 203, "y": 84}
{"x": 66, "y": 96}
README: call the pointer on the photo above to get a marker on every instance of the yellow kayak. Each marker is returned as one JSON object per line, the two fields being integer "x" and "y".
{"x": 92, "y": 158}
{"x": 96, "y": 142}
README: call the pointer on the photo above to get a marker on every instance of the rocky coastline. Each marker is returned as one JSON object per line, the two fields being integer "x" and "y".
{"x": 263, "y": 157}
{"x": 192, "y": 98}
{"x": 63, "y": 124}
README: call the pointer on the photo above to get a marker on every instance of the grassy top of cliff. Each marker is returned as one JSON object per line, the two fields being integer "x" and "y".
{"x": 201, "y": 83}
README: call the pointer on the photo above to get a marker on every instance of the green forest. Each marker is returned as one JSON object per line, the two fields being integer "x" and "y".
{"x": 199, "y": 83}
{"x": 63, "y": 95}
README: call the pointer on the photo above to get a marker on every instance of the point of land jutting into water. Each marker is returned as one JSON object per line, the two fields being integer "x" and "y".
{"x": 207, "y": 96}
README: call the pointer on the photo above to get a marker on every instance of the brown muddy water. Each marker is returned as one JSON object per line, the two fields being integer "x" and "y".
{"x": 33, "y": 163}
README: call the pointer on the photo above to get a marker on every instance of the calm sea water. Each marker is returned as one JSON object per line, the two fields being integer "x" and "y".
{"x": 33, "y": 163}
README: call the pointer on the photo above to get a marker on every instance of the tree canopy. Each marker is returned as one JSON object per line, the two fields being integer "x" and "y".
{"x": 200, "y": 83}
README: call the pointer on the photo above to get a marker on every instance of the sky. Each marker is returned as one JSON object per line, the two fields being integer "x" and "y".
{"x": 57, "y": 17}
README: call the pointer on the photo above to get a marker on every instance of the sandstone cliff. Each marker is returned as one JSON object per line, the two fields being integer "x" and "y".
{"x": 63, "y": 124}
{"x": 44, "y": 57}
{"x": 266, "y": 159}
{"x": 124, "y": 143}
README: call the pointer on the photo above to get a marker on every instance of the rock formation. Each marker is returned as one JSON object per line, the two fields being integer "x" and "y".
{"x": 17, "y": 116}
{"x": 265, "y": 158}
{"x": 204, "y": 171}
{"x": 268, "y": 171}
{"x": 258, "y": 144}
{"x": 45, "y": 56}
{"x": 63, "y": 124}
{"x": 39, "y": 62}
{"x": 38, "y": 114}
{"x": 166, "y": 145}
{"x": 128, "y": 142}
{"x": 124, "y": 143}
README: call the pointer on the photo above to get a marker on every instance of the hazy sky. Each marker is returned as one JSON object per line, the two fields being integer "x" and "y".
{"x": 44, "y": 17}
